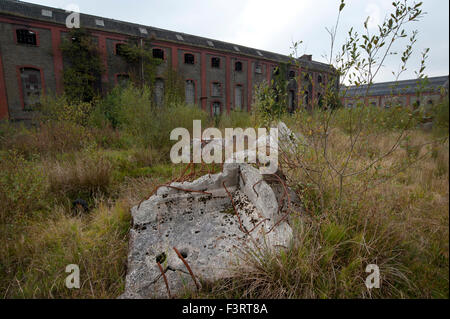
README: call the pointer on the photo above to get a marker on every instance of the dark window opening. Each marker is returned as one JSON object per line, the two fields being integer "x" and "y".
{"x": 319, "y": 99}
{"x": 291, "y": 102}
{"x": 25, "y": 36}
{"x": 319, "y": 79}
{"x": 189, "y": 58}
{"x": 291, "y": 74}
{"x": 430, "y": 102}
{"x": 158, "y": 54}
{"x": 122, "y": 79}
{"x": 306, "y": 98}
{"x": 215, "y": 62}
{"x": 238, "y": 66}
{"x": 120, "y": 49}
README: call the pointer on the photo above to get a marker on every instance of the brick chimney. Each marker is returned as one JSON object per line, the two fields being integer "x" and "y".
{"x": 307, "y": 57}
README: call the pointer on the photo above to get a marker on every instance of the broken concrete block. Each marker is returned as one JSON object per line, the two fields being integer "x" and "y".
{"x": 199, "y": 220}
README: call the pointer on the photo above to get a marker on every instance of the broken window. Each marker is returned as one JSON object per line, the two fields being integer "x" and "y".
{"x": 319, "y": 99}
{"x": 189, "y": 58}
{"x": 216, "y": 89}
{"x": 190, "y": 92}
{"x": 25, "y": 36}
{"x": 238, "y": 97}
{"x": 122, "y": 79}
{"x": 258, "y": 68}
{"x": 120, "y": 49}
{"x": 158, "y": 53}
{"x": 31, "y": 87}
{"x": 159, "y": 92}
{"x": 215, "y": 62}
{"x": 306, "y": 98}
{"x": 319, "y": 78}
{"x": 216, "y": 109}
{"x": 291, "y": 102}
{"x": 238, "y": 66}
{"x": 291, "y": 74}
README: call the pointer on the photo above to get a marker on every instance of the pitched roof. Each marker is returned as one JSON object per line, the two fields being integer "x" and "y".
{"x": 58, "y": 16}
{"x": 434, "y": 84}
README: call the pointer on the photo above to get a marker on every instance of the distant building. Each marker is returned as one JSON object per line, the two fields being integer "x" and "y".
{"x": 403, "y": 93}
{"x": 219, "y": 76}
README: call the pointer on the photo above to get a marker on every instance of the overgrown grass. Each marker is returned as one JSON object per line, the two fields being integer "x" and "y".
{"x": 118, "y": 153}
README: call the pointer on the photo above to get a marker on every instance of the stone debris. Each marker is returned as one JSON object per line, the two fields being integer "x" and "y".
{"x": 198, "y": 218}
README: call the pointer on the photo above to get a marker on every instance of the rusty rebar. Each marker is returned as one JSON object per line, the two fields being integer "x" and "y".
{"x": 286, "y": 193}
{"x": 165, "y": 279}
{"x": 188, "y": 268}
{"x": 188, "y": 190}
{"x": 257, "y": 195}
{"x": 258, "y": 224}
{"x": 235, "y": 210}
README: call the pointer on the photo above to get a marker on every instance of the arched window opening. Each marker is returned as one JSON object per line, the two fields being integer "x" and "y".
{"x": 31, "y": 87}
{"x": 189, "y": 58}
{"x": 25, "y": 36}
{"x": 158, "y": 53}
{"x": 238, "y": 66}
{"x": 319, "y": 78}
{"x": 190, "y": 92}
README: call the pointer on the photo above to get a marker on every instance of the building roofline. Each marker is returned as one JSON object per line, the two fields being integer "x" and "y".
{"x": 221, "y": 45}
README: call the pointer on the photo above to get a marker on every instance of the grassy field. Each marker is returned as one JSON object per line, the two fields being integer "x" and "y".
{"x": 394, "y": 214}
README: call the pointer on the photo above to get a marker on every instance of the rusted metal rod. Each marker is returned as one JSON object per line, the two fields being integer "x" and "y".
{"x": 235, "y": 210}
{"x": 165, "y": 279}
{"x": 188, "y": 268}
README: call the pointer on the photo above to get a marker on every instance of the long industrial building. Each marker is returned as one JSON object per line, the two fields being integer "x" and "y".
{"x": 219, "y": 76}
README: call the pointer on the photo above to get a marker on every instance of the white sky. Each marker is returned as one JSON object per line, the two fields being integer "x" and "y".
{"x": 273, "y": 24}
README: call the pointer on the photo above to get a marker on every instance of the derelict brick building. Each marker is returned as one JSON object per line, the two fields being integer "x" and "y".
{"x": 218, "y": 76}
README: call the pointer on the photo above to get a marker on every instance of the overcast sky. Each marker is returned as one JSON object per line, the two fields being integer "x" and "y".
{"x": 273, "y": 24}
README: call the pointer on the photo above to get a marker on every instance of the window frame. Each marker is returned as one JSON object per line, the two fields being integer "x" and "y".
{"x": 220, "y": 105}
{"x": 164, "y": 53}
{"x": 241, "y": 66}
{"x": 241, "y": 85}
{"x": 194, "y": 59}
{"x": 195, "y": 89}
{"x": 211, "y": 89}
{"x": 19, "y": 79}
{"x": 216, "y": 67}
{"x": 16, "y": 40}
{"x": 116, "y": 52}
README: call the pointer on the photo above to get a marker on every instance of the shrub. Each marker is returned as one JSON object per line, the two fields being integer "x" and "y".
{"x": 23, "y": 187}
{"x": 84, "y": 176}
